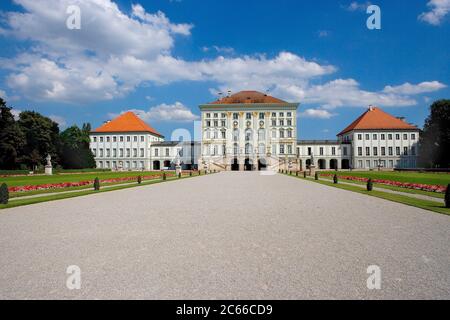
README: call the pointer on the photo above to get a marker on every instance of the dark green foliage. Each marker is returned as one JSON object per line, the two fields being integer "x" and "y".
{"x": 139, "y": 179}
{"x": 42, "y": 138}
{"x": 296, "y": 173}
{"x": 96, "y": 184}
{"x": 199, "y": 172}
{"x": 369, "y": 185}
{"x": 190, "y": 173}
{"x": 316, "y": 176}
{"x": 335, "y": 179}
{"x": 179, "y": 175}
{"x": 4, "y": 194}
{"x": 12, "y": 139}
{"x": 304, "y": 174}
{"x": 447, "y": 197}
{"x": 435, "y": 138}
{"x": 164, "y": 177}
{"x": 75, "y": 151}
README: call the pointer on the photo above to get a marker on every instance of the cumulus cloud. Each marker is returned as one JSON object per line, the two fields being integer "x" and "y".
{"x": 357, "y": 6}
{"x": 61, "y": 121}
{"x": 316, "y": 113}
{"x": 176, "y": 112}
{"x": 438, "y": 9}
{"x": 3, "y": 95}
{"x": 114, "y": 53}
{"x": 411, "y": 89}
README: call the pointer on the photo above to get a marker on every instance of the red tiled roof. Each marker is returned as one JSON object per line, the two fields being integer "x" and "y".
{"x": 247, "y": 97}
{"x": 377, "y": 119}
{"x": 127, "y": 122}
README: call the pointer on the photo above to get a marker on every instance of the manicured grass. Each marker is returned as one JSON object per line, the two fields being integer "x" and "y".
{"x": 393, "y": 188}
{"x": 414, "y": 202}
{"x": 442, "y": 179}
{"x": 72, "y": 177}
{"x": 23, "y": 202}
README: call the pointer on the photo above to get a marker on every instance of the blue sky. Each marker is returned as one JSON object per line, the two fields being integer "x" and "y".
{"x": 163, "y": 58}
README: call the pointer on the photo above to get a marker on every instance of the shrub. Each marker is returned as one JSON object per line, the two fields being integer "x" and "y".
{"x": 304, "y": 174}
{"x": 447, "y": 197}
{"x": 369, "y": 185}
{"x": 199, "y": 172}
{"x": 335, "y": 179}
{"x": 96, "y": 184}
{"x": 190, "y": 173}
{"x": 179, "y": 175}
{"x": 4, "y": 194}
{"x": 139, "y": 179}
{"x": 164, "y": 176}
{"x": 316, "y": 176}
{"x": 296, "y": 173}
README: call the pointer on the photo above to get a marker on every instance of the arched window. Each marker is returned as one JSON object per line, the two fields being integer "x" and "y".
{"x": 261, "y": 134}
{"x": 236, "y": 135}
{"x": 262, "y": 148}
{"x": 248, "y": 135}
{"x": 248, "y": 148}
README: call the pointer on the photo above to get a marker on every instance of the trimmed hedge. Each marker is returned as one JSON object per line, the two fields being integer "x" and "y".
{"x": 139, "y": 179}
{"x": 369, "y": 185}
{"x": 447, "y": 197}
{"x": 96, "y": 184}
{"x": 316, "y": 176}
{"x": 4, "y": 194}
{"x": 335, "y": 179}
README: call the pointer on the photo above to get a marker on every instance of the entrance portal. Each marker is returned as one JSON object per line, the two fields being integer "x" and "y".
{"x": 262, "y": 164}
{"x": 248, "y": 165}
{"x": 235, "y": 165}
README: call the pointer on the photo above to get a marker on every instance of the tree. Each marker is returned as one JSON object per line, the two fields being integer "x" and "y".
{"x": 42, "y": 138}
{"x": 12, "y": 139}
{"x": 4, "y": 194}
{"x": 75, "y": 152}
{"x": 447, "y": 196}
{"x": 435, "y": 139}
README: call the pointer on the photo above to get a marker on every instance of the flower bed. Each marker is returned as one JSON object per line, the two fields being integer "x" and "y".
{"x": 407, "y": 185}
{"x": 63, "y": 185}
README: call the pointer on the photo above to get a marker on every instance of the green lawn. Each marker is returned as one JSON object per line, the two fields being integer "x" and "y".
{"x": 414, "y": 202}
{"x": 72, "y": 177}
{"x": 442, "y": 179}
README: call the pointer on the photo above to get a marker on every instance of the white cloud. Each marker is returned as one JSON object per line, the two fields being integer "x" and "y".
{"x": 176, "y": 112}
{"x": 3, "y": 95}
{"x": 223, "y": 50}
{"x": 16, "y": 113}
{"x": 412, "y": 89}
{"x": 323, "y": 33}
{"x": 61, "y": 121}
{"x": 438, "y": 10}
{"x": 358, "y": 6}
{"x": 114, "y": 53}
{"x": 316, "y": 113}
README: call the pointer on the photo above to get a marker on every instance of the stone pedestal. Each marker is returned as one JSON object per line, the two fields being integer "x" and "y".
{"x": 312, "y": 170}
{"x": 178, "y": 170}
{"x": 48, "y": 170}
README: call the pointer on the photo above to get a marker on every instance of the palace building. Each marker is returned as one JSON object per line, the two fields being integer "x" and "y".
{"x": 250, "y": 130}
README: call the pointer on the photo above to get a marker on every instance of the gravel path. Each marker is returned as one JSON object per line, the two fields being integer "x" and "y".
{"x": 224, "y": 236}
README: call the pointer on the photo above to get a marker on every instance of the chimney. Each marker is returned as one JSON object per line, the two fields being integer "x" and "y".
{"x": 371, "y": 108}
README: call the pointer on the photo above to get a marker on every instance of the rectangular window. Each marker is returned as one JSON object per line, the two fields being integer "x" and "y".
{"x": 333, "y": 151}
{"x": 375, "y": 151}
{"x": 360, "y": 151}
{"x": 274, "y": 134}
{"x": 390, "y": 136}
{"x": 216, "y": 123}
{"x": 274, "y": 123}
{"x": 101, "y": 152}
{"x": 156, "y": 152}
{"x": 397, "y": 137}
{"x": 142, "y": 152}
{"x": 289, "y": 149}
{"x": 261, "y": 116}
{"x": 391, "y": 152}
{"x": 413, "y": 151}
{"x": 321, "y": 151}
{"x": 128, "y": 138}
{"x": 167, "y": 152}
{"x": 224, "y": 115}
{"x": 223, "y": 134}
{"x": 95, "y": 139}
{"x": 216, "y": 115}
{"x": 383, "y": 137}
{"x": 274, "y": 115}
{"x": 375, "y": 136}
{"x": 397, "y": 151}
{"x": 114, "y": 153}
{"x": 289, "y": 114}
{"x": 359, "y": 136}
{"x": 383, "y": 151}
{"x": 289, "y": 122}
{"x": 108, "y": 139}
{"x": 142, "y": 138}
{"x": 223, "y": 123}
{"x": 134, "y": 138}
{"x": 248, "y": 116}
{"x": 128, "y": 152}
{"x": 344, "y": 151}
{"x": 309, "y": 151}
{"x": 235, "y": 116}
{"x": 281, "y": 122}
{"x": 367, "y": 151}
{"x": 121, "y": 152}
{"x": 208, "y": 123}
{"x": 101, "y": 139}
{"x": 281, "y": 114}
{"x": 114, "y": 139}
{"x": 405, "y": 151}
{"x": 405, "y": 137}
{"x": 134, "y": 152}
{"x": 367, "y": 137}
{"x": 121, "y": 139}
{"x": 413, "y": 136}
{"x": 281, "y": 148}
{"x": 94, "y": 151}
